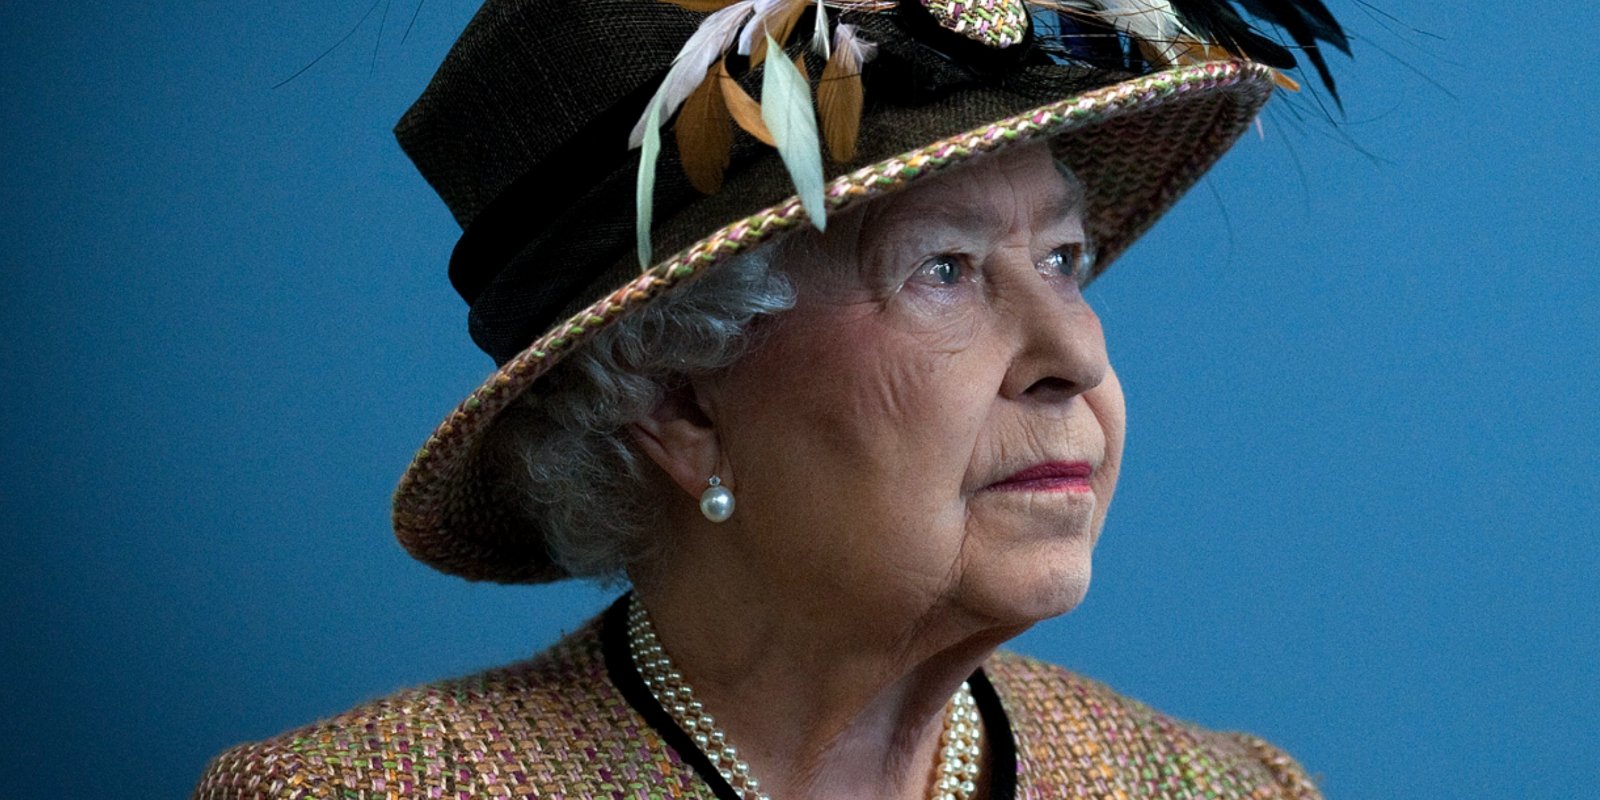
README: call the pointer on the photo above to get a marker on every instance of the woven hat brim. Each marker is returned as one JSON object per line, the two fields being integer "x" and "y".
{"x": 1137, "y": 146}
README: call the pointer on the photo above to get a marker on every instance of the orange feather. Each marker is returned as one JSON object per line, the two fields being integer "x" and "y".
{"x": 839, "y": 100}
{"x": 745, "y": 110}
{"x": 705, "y": 135}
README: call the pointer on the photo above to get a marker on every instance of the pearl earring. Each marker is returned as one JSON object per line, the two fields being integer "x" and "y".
{"x": 717, "y": 501}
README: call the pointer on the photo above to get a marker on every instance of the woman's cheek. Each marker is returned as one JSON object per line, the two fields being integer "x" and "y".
{"x": 1110, "y": 410}
{"x": 943, "y": 320}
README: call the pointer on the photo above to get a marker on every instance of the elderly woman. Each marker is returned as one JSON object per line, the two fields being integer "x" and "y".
{"x": 856, "y": 432}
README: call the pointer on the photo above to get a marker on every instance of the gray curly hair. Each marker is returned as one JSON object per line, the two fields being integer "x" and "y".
{"x": 571, "y": 460}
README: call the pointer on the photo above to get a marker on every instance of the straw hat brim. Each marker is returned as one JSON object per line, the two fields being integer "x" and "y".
{"x": 1137, "y": 145}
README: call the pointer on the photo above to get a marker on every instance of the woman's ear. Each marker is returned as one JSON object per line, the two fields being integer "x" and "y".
{"x": 680, "y": 438}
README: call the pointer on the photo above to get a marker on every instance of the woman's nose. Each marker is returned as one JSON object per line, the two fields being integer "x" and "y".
{"x": 1059, "y": 349}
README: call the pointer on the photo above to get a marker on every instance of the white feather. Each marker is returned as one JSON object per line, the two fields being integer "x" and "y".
{"x": 787, "y": 110}
{"x": 689, "y": 67}
{"x": 819, "y": 37}
{"x": 644, "y": 196}
{"x": 857, "y": 49}
{"x": 757, "y": 26}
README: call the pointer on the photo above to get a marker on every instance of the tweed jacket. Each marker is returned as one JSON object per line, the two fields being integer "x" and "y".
{"x": 562, "y": 725}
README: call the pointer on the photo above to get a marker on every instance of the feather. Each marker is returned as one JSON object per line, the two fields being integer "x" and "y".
{"x": 1182, "y": 31}
{"x": 863, "y": 50}
{"x": 704, "y": 47}
{"x": 839, "y": 95}
{"x": 645, "y": 189}
{"x": 763, "y": 10}
{"x": 744, "y": 110}
{"x": 819, "y": 37}
{"x": 1221, "y": 24}
{"x": 705, "y": 135}
{"x": 1307, "y": 22}
{"x": 1317, "y": 19}
{"x": 774, "y": 18}
{"x": 787, "y": 110}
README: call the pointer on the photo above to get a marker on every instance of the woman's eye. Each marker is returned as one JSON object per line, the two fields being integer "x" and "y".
{"x": 945, "y": 269}
{"x": 1073, "y": 261}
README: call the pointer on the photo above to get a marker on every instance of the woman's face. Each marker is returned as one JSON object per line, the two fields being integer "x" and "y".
{"x": 935, "y": 424}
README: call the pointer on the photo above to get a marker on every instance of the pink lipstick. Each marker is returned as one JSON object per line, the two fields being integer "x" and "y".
{"x": 1051, "y": 476}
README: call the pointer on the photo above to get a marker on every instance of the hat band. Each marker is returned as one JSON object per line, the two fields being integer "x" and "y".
{"x": 501, "y": 229}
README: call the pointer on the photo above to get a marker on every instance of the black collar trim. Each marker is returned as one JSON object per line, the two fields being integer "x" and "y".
{"x": 619, "y": 666}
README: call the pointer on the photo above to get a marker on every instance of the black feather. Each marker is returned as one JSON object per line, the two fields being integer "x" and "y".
{"x": 1220, "y": 23}
{"x": 1308, "y": 22}
{"x": 1318, "y": 18}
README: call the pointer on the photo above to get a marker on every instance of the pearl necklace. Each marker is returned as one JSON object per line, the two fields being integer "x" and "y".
{"x": 955, "y": 774}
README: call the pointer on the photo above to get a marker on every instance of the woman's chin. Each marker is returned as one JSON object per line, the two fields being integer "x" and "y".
{"x": 1043, "y": 589}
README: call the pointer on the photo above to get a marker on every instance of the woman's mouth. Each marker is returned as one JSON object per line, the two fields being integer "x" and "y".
{"x": 1051, "y": 476}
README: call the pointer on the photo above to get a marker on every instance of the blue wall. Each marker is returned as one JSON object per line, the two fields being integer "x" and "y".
{"x": 1363, "y": 365}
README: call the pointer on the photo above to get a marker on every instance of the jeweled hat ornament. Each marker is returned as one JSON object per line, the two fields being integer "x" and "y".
{"x": 575, "y": 142}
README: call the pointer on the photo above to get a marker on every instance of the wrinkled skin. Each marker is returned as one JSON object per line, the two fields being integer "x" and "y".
{"x": 939, "y": 345}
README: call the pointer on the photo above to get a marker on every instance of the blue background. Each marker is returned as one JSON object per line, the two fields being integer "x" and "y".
{"x": 1358, "y": 515}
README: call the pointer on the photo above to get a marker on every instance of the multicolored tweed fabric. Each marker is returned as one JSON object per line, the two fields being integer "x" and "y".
{"x": 556, "y": 726}
{"x": 1077, "y": 738}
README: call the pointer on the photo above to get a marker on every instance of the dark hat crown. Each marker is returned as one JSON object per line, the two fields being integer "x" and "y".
{"x": 525, "y": 78}
{"x": 523, "y": 132}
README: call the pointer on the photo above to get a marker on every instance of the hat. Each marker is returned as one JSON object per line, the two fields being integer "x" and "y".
{"x": 577, "y": 141}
